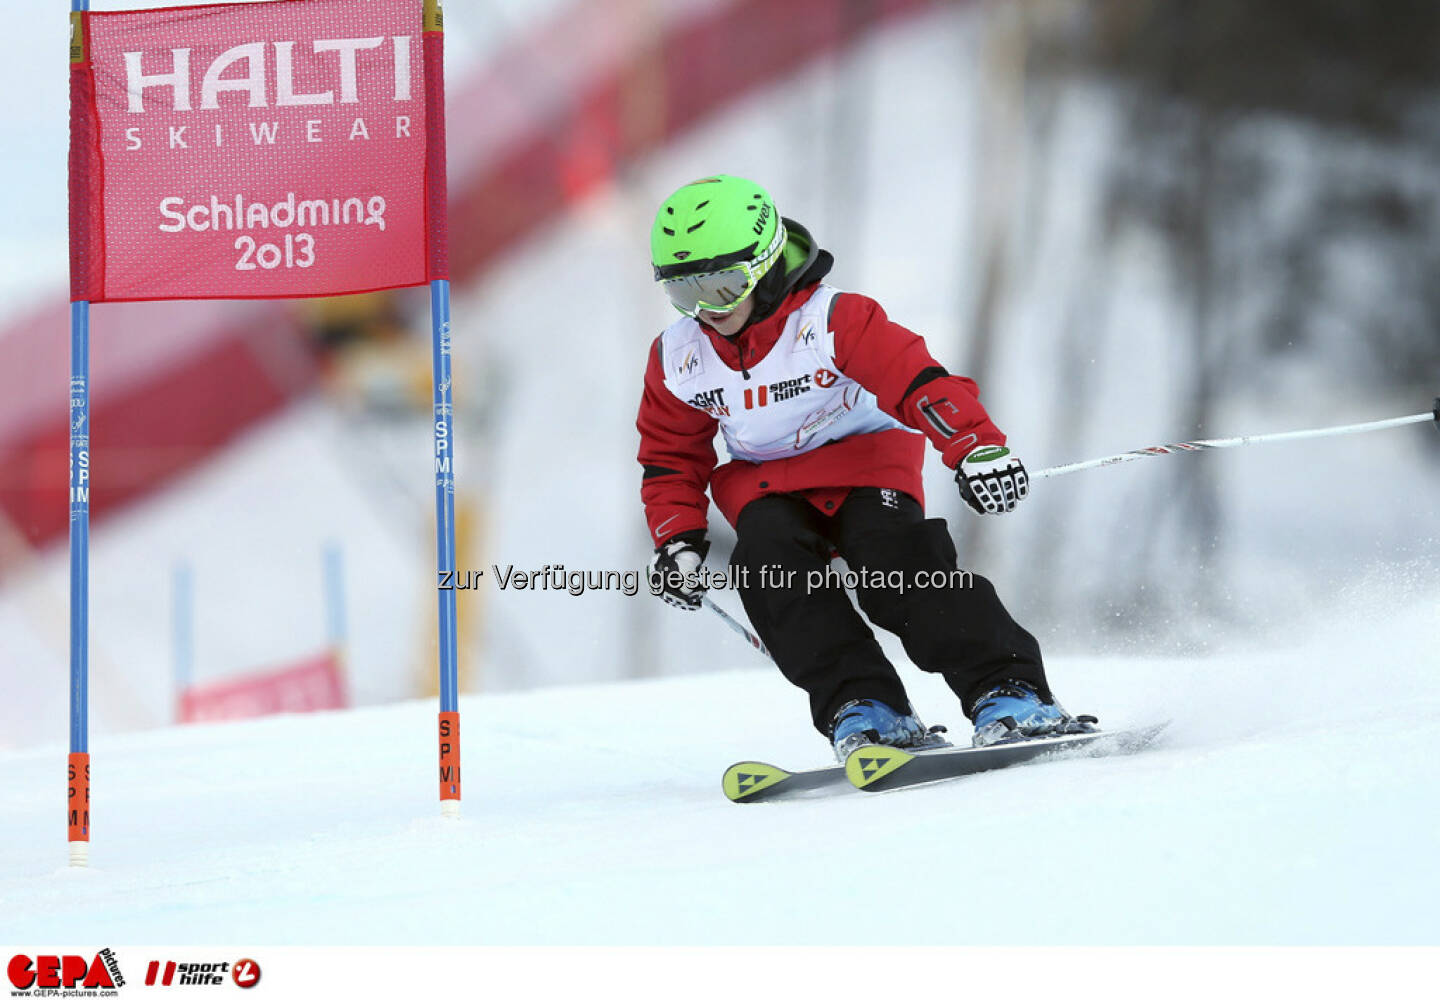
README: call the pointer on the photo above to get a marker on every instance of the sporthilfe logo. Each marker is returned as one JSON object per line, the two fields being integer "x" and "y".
{"x": 245, "y": 973}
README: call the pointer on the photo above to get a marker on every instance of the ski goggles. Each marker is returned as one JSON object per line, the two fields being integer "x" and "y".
{"x": 723, "y": 289}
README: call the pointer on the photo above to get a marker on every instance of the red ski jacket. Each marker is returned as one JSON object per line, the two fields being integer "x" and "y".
{"x": 677, "y": 440}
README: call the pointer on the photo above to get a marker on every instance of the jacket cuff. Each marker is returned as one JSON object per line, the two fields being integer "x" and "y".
{"x": 694, "y": 538}
{"x": 669, "y": 527}
{"x": 962, "y": 446}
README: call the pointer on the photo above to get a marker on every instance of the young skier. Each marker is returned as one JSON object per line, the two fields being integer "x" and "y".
{"x": 824, "y": 404}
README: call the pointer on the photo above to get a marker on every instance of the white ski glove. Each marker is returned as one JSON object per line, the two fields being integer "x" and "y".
{"x": 675, "y": 575}
{"x": 991, "y": 480}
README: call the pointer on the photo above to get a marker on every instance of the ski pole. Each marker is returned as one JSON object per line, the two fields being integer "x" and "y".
{"x": 1162, "y": 449}
{"x": 1235, "y": 442}
{"x": 741, "y": 630}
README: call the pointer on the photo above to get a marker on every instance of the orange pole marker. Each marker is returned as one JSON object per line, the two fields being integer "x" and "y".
{"x": 79, "y": 808}
{"x": 450, "y": 763}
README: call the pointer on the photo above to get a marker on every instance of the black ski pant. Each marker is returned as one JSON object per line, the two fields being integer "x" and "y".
{"x": 951, "y": 623}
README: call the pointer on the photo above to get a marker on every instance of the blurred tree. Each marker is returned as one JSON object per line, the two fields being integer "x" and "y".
{"x": 1230, "y": 101}
{"x": 1287, "y": 155}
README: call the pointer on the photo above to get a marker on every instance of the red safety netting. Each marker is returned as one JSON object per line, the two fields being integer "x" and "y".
{"x": 315, "y": 684}
{"x": 266, "y": 150}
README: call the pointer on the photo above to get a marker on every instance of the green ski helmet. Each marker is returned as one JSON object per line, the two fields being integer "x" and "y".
{"x": 712, "y": 242}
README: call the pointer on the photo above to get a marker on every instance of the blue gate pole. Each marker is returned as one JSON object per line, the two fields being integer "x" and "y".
{"x": 445, "y": 548}
{"x": 334, "y": 573}
{"x": 78, "y": 764}
{"x": 437, "y": 264}
{"x": 335, "y": 625}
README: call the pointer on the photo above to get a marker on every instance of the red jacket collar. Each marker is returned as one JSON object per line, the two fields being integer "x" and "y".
{"x": 757, "y": 339}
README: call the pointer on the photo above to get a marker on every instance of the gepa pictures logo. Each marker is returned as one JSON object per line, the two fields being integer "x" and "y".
{"x": 100, "y": 973}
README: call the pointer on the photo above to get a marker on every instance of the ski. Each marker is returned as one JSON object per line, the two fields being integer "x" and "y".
{"x": 880, "y": 768}
{"x": 756, "y": 781}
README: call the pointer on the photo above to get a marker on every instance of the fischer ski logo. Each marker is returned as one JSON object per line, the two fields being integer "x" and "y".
{"x": 865, "y": 767}
{"x": 870, "y": 766}
{"x": 746, "y": 779}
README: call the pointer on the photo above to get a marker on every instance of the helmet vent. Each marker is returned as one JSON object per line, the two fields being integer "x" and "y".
{"x": 702, "y": 204}
{"x": 753, "y": 208}
{"x": 696, "y": 226}
{"x": 668, "y": 230}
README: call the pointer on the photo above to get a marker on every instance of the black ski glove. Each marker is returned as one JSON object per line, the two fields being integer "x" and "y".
{"x": 675, "y": 575}
{"x": 991, "y": 480}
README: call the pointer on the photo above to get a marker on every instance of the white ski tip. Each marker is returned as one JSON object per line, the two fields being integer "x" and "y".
{"x": 450, "y": 808}
{"x": 79, "y": 854}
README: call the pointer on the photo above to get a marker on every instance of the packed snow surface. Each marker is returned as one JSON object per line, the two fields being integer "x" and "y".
{"x": 1291, "y": 802}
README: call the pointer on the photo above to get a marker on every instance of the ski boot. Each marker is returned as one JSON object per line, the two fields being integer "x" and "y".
{"x": 1013, "y": 711}
{"x": 865, "y": 722}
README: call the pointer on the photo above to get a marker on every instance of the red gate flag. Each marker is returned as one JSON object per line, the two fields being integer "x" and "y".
{"x": 254, "y": 150}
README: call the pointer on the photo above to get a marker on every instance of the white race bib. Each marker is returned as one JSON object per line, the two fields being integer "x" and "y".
{"x": 795, "y": 398}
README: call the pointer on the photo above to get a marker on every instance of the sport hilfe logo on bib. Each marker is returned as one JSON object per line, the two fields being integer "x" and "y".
{"x": 254, "y": 150}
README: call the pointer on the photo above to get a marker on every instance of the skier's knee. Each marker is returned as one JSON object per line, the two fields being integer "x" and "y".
{"x": 934, "y": 548}
{"x": 922, "y": 547}
{"x": 771, "y": 532}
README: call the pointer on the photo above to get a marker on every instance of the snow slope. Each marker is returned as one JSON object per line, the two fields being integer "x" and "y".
{"x": 1291, "y": 803}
